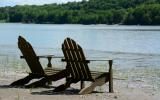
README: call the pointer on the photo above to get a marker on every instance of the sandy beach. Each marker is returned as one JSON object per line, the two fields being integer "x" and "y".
{"x": 129, "y": 84}
{"x": 136, "y": 76}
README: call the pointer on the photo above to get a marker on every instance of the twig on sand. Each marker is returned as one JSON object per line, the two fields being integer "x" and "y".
{"x": 119, "y": 78}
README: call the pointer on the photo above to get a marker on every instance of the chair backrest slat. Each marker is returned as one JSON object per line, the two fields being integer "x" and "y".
{"x": 70, "y": 58}
{"x": 30, "y": 56}
{"x": 76, "y": 61}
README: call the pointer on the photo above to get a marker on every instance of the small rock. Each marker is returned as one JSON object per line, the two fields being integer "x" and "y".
{"x": 115, "y": 97}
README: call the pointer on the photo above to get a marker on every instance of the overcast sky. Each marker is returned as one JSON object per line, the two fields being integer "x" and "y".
{"x": 31, "y": 2}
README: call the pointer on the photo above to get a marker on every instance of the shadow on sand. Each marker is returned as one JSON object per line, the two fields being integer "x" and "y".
{"x": 4, "y": 86}
{"x": 66, "y": 92}
{"x": 69, "y": 91}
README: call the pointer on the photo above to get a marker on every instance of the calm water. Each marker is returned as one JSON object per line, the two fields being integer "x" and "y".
{"x": 129, "y": 46}
{"x": 134, "y": 39}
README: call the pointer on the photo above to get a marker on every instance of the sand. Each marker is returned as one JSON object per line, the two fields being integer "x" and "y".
{"x": 129, "y": 84}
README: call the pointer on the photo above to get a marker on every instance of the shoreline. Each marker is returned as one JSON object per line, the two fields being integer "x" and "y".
{"x": 15, "y": 49}
{"x": 135, "y": 76}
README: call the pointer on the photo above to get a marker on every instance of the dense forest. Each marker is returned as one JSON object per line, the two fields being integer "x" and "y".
{"x": 129, "y": 12}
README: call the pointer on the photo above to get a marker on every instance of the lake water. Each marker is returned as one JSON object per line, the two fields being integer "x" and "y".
{"x": 129, "y": 46}
{"x": 134, "y": 39}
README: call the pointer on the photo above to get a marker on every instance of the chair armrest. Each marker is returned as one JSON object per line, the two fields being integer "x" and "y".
{"x": 87, "y": 61}
{"x": 100, "y": 60}
{"x": 46, "y": 56}
{"x": 97, "y": 59}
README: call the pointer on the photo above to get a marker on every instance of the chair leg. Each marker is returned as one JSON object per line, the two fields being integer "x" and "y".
{"x": 99, "y": 81}
{"x": 82, "y": 85}
{"x": 110, "y": 76}
{"x": 110, "y": 83}
{"x": 43, "y": 81}
{"x": 64, "y": 86}
{"x": 40, "y": 83}
{"x": 22, "y": 82}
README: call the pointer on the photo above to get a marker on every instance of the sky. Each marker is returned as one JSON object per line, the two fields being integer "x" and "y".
{"x": 4, "y": 3}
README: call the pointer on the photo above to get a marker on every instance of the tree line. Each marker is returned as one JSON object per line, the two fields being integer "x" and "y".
{"x": 129, "y": 12}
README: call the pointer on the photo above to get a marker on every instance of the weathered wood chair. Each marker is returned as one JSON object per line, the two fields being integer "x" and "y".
{"x": 77, "y": 66}
{"x": 33, "y": 62}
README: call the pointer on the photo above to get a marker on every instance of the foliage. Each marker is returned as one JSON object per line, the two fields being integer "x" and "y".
{"x": 143, "y": 12}
{"x": 144, "y": 15}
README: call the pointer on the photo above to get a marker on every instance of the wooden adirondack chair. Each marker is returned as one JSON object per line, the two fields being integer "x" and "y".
{"x": 77, "y": 66}
{"x": 77, "y": 70}
{"x": 33, "y": 62}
